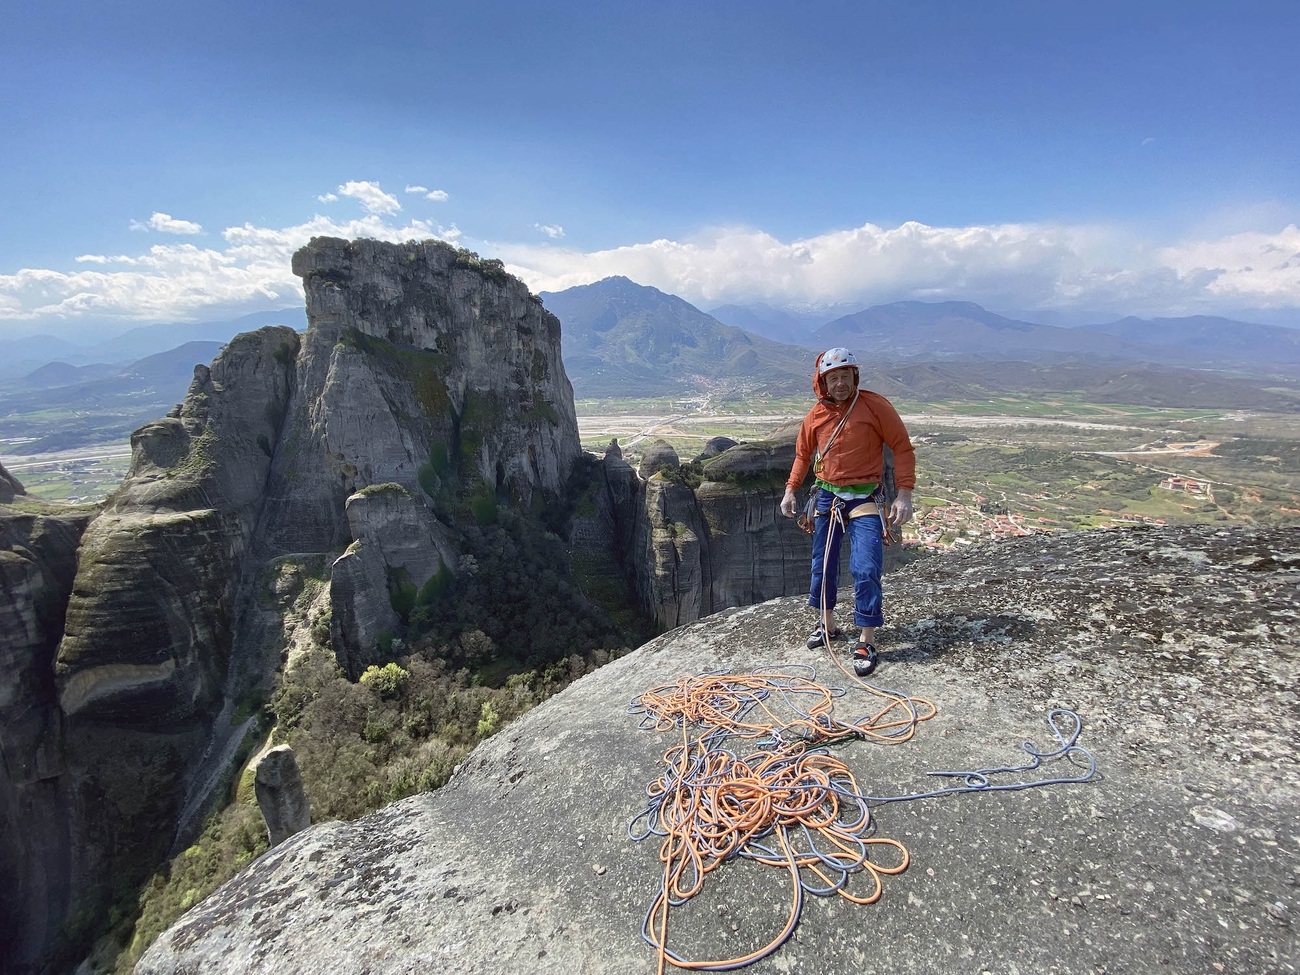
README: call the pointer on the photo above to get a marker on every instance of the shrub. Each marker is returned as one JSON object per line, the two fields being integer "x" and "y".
{"x": 389, "y": 487}
{"x": 386, "y": 681}
{"x": 487, "y": 723}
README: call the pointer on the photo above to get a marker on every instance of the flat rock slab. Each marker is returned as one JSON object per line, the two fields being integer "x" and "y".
{"x": 1183, "y": 855}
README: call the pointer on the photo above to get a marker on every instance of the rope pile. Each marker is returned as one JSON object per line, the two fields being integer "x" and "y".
{"x": 786, "y": 802}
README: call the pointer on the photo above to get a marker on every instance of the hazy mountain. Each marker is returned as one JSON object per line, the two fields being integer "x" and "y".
{"x": 960, "y": 329}
{"x": 23, "y": 356}
{"x": 95, "y": 408}
{"x": 150, "y": 339}
{"x": 19, "y": 357}
{"x": 623, "y": 339}
{"x": 948, "y": 330}
{"x": 777, "y": 324}
{"x": 1221, "y": 339}
{"x": 65, "y": 374}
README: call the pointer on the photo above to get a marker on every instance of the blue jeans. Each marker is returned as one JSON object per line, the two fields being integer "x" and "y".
{"x": 866, "y": 556}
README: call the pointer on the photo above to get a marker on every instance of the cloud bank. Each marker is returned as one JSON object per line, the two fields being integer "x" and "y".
{"x": 1019, "y": 268}
{"x": 1015, "y": 266}
{"x": 176, "y": 282}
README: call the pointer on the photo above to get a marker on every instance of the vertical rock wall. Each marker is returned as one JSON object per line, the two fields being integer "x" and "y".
{"x": 689, "y": 552}
{"x": 38, "y": 543}
{"x": 427, "y": 389}
{"x": 432, "y": 373}
{"x": 141, "y": 669}
{"x": 423, "y": 369}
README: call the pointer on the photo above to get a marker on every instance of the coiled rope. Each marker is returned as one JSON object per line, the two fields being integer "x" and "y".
{"x": 787, "y": 802}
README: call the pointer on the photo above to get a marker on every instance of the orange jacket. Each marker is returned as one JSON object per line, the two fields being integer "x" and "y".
{"x": 856, "y": 457}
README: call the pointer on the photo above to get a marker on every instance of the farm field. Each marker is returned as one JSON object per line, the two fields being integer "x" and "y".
{"x": 87, "y": 474}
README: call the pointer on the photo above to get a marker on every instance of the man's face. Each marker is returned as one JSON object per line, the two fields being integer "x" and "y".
{"x": 840, "y": 384}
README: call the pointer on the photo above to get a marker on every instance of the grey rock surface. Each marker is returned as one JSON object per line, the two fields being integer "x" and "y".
{"x": 38, "y": 549}
{"x": 149, "y": 623}
{"x": 415, "y": 357}
{"x": 671, "y": 551}
{"x": 657, "y": 456}
{"x": 691, "y": 551}
{"x": 427, "y": 389}
{"x": 1181, "y": 856}
{"x": 280, "y": 795}
{"x": 714, "y": 446}
{"x": 396, "y": 537}
{"x": 10, "y": 486}
{"x": 149, "y": 629}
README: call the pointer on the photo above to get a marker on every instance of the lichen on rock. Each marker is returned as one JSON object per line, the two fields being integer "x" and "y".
{"x": 492, "y": 870}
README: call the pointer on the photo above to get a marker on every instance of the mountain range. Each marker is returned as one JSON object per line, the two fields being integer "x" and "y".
{"x": 778, "y": 324}
{"x": 65, "y": 406}
{"x": 21, "y": 356}
{"x": 964, "y": 330}
{"x": 624, "y": 339}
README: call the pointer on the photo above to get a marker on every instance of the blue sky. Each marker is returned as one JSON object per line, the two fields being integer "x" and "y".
{"x": 1071, "y": 160}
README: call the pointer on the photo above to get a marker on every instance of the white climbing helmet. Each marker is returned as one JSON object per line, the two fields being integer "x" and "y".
{"x": 836, "y": 358}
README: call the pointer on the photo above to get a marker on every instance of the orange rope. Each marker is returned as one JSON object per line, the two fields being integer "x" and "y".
{"x": 711, "y": 805}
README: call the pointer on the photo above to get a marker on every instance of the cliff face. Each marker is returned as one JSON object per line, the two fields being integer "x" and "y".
{"x": 522, "y": 861}
{"x": 427, "y": 389}
{"x": 694, "y": 550}
{"x": 149, "y": 623}
{"x": 419, "y": 370}
{"x": 38, "y": 544}
{"x": 142, "y": 667}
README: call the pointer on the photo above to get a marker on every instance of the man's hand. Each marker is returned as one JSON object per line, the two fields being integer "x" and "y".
{"x": 788, "y": 504}
{"x": 900, "y": 513}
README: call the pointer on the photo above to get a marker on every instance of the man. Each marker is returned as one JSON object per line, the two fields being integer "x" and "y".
{"x": 841, "y": 437}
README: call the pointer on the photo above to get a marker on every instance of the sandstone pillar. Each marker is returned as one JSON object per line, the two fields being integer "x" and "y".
{"x": 280, "y": 795}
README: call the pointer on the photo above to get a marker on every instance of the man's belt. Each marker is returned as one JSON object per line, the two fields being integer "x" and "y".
{"x": 807, "y": 526}
{"x": 867, "y": 508}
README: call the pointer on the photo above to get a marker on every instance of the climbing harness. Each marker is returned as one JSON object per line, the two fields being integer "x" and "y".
{"x": 787, "y": 802}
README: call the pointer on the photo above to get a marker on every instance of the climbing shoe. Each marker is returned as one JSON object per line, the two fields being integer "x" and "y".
{"x": 815, "y": 639}
{"x": 865, "y": 658}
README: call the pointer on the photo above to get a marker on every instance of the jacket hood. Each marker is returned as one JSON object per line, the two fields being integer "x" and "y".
{"x": 819, "y": 381}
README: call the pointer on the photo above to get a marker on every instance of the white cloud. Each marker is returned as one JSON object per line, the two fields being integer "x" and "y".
{"x": 1260, "y": 268}
{"x": 327, "y": 198}
{"x": 1025, "y": 267}
{"x": 1022, "y": 266}
{"x": 248, "y": 272}
{"x": 168, "y": 224}
{"x": 104, "y": 259}
{"x": 554, "y": 231}
{"x": 439, "y": 195}
{"x": 1148, "y": 141}
{"x": 371, "y": 196}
